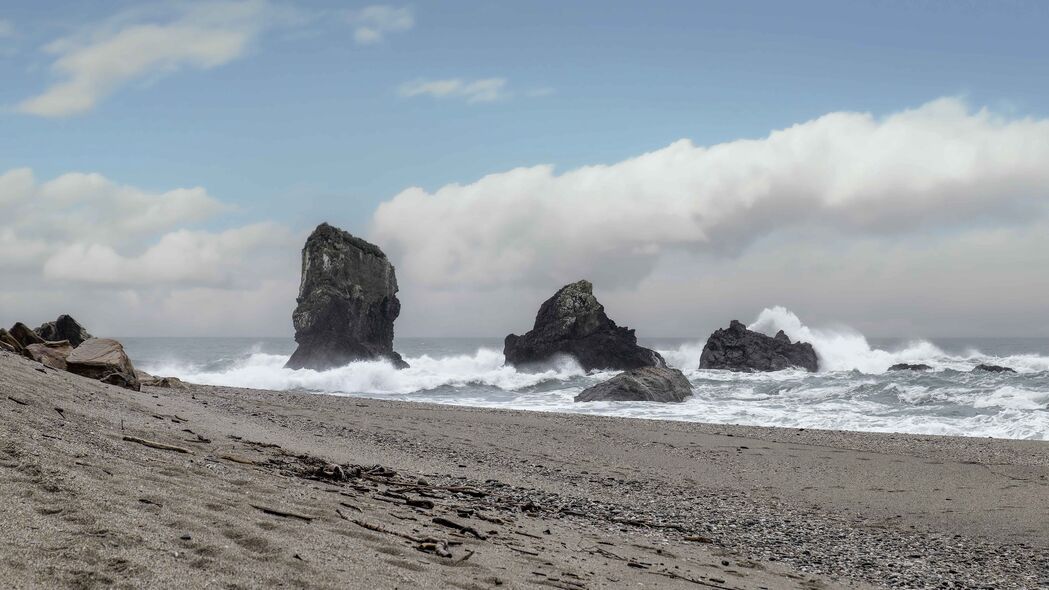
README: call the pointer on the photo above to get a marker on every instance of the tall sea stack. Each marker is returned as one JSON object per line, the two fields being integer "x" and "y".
{"x": 573, "y": 322}
{"x": 347, "y": 303}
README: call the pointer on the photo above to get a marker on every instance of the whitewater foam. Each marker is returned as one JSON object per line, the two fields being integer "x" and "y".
{"x": 853, "y": 390}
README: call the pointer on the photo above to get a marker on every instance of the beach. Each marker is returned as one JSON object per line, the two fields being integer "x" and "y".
{"x": 221, "y": 487}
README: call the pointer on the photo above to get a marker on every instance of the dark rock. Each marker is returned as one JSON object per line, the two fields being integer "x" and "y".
{"x": 50, "y": 354}
{"x": 8, "y": 342}
{"x": 24, "y": 336}
{"x": 64, "y": 328}
{"x": 993, "y": 369}
{"x": 909, "y": 367}
{"x": 647, "y": 384}
{"x": 103, "y": 359}
{"x": 572, "y": 322}
{"x": 738, "y": 349}
{"x": 347, "y": 303}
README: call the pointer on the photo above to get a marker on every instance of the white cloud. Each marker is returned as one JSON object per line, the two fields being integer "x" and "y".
{"x": 186, "y": 258}
{"x": 939, "y": 167}
{"x": 473, "y": 91}
{"x": 372, "y": 23}
{"x": 97, "y": 61}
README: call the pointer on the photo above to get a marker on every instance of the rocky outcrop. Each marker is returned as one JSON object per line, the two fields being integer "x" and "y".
{"x": 50, "y": 354}
{"x": 24, "y": 336}
{"x": 738, "y": 349}
{"x": 993, "y": 369}
{"x": 572, "y": 322}
{"x": 647, "y": 384}
{"x": 163, "y": 382}
{"x": 8, "y": 342}
{"x": 64, "y": 328}
{"x": 910, "y": 367}
{"x": 103, "y": 359}
{"x": 347, "y": 303}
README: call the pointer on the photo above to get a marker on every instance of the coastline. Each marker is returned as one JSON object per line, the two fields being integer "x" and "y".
{"x": 626, "y": 501}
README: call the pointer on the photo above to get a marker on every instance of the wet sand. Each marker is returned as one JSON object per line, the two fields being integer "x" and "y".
{"x": 479, "y": 498}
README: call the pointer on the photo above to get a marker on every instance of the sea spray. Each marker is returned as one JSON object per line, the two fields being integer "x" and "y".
{"x": 853, "y": 391}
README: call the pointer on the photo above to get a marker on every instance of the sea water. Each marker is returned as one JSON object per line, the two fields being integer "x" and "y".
{"x": 853, "y": 390}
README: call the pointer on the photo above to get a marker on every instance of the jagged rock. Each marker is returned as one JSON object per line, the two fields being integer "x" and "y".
{"x": 574, "y": 323}
{"x": 910, "y": 367}
{"x": 993, "y": 369}
{"x": 24, "y": 336}
{"x": 64, "y": 328}
{"x": 8, "y": 342}
{"x": 165, "y": 382}
{"x": 103, "y": 359}
{"x": 647, "y": 384}
{"x": 347, "y": 303}
{"x": 50, "y": 354}
{"x": 738, "y": 349}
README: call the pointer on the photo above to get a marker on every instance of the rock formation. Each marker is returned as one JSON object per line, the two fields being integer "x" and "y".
{"x": 50, "y": 354}
{"x": 572, "y": 322}
{"x": 347, "y": 302}
{"x": 647, "y": 384}
{"x": 909, "y": 367}
{"x": 993, "y": 369}
{"x": 24, "y": 336}
{"x": 8, "y": 342}
{"x": 738, "y": 349}
{"x": 103, "y": 359}
{"x": 64, "y": 328}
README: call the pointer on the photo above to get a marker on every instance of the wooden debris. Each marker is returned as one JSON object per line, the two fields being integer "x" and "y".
{"x": 462, "y": 528}
{"x": 18, "y": 401}
{"x": 282, "y": 513}
{"x": 236, "y": 459}
{"x": 157, "y": 445}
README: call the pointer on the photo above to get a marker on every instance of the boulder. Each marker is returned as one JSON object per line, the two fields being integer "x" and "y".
{"x": 8, "y": 342}
{"x": 347, "y": 303}
{"x": 993, "y": 369}
{"x": 647, "y": 384}
{"x": 573, "y": 322}
{"x": 103, "y": 359}
{"x": 50, "y": 354}
{"x": 24, "y": 336}
{"x": 738, "y": 349}
{"x": 910, "y": 367}
{"x": 64, "y": 328}
{"x": 165, "y": 382}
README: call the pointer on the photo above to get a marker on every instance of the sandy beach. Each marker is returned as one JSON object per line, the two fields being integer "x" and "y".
{"x": 214, "y": 487}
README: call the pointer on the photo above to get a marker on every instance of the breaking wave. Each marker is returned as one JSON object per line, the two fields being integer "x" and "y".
{"x": 853, "y": 391}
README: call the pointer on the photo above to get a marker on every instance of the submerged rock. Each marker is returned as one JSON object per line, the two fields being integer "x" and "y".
{"x": 103, "y": 359}
{"x": 347, "y": 303}
{"x": 738, "y": 349}
{"x": 910, "y": 367}
{"x": 50, "y": 354}
{"x": 647, "y": 384}
{"x": 573, "y": 322}
{"x": 993, "y": 369}
{"x": 64, "y": 328}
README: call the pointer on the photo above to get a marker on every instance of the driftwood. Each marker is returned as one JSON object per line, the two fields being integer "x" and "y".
{"x": 20, "y": 402}
{"x": 282, "y": 513}
{"x": 462, "y": 528}
{"x": 157, "y": 445}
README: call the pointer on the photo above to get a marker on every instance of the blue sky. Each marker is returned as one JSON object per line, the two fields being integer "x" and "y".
{"x": 309, "y": 121}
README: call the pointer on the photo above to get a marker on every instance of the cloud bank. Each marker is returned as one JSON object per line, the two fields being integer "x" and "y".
{"x": 97, "y": 61}
{"x": 939, "y": 167}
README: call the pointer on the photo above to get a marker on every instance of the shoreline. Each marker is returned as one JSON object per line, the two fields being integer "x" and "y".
{"x": 782, "y": 507}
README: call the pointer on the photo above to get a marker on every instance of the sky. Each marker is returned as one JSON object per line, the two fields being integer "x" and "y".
{"x": 879, "y": 165}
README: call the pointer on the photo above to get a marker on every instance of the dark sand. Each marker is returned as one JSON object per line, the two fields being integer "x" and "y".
{"x": 562, "y": 501}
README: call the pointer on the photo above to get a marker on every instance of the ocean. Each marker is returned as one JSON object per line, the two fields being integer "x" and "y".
{"x": 852, "y": 391}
